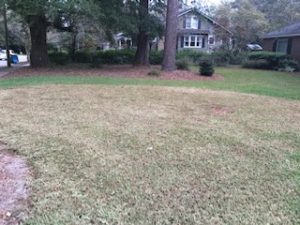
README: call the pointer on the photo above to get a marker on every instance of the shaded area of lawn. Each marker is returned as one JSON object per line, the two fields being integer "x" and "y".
{"x": 154, "y": 155}
{"x": 260, "y": 82}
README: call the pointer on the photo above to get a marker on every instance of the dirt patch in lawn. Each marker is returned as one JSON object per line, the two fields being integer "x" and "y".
{"x": 111, "y": 71}
{"x": 220, "y": 110}
{"x": 13, "y": 187}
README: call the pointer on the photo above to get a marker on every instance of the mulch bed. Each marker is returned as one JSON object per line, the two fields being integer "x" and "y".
{"x": 14, "y": 176}
{"x": 111, "y": 71}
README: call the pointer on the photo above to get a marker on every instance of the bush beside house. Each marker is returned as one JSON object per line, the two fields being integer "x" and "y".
{"x": 59, "y": 58}
{"x": 253, "y": 60}
{"x": 270, "y": 61}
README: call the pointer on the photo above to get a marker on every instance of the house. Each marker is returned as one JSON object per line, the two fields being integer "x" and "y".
{"x": 285, "y": 40}
{"x": 199, "y": 32}
{"x": 121, "y": 41}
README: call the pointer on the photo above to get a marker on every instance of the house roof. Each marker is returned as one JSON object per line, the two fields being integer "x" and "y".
{"x": 288, "y": 31}
{"x": 185, "y": 11}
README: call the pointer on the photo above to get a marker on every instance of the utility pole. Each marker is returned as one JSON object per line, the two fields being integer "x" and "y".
{"x": 6, "y": 36}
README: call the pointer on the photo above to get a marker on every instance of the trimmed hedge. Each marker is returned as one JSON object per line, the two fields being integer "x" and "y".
{"x": 59, "y": 58}
{"x": 83, "y": 57}
{"x": 270, "y": 56}
{"x": 218, "y": 58}
{"x": 191, "y": 55}
{"x": 256, "y": 64}
{"x": 270, "y": 61}
{"x": 182, "y": 64}
{"x": 255, "y": 60}
{"x": 125, "y": 56}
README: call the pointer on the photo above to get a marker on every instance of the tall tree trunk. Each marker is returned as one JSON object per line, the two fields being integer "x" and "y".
{"x": 73, "y": 45}
{"x": 169, "y": 61}
{"x": 142, "y": 52}
{"x": 38, "y": 32}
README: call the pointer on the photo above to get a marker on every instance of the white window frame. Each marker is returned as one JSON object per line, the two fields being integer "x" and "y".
{"x": 280, "y": 47}
{"x": 192, "y": 22}
{"x": 188, "y": 22}
{"x": 190, "y": 39}
{"x": 195, "y": 22}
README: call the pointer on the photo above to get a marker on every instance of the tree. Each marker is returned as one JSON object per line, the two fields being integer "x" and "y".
{"x": 169, "y": 59}
{"x": 279, "y": 13}
{"x": 141, "y": 21}
{"x": 34, "y": 12}
{"x": 41, "y": 14}
{"x": 75, "y": 16}
{"x": 224, "y": 16}
{"x": 142, "y": 53}
{"x": 245, "y": 21}
{"x": 249, "y": 24}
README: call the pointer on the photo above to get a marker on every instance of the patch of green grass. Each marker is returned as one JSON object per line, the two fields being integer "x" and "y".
{"x": 260, "y": 82}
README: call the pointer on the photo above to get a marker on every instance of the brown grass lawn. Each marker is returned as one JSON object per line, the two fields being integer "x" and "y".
{"x": 154, "y": 155}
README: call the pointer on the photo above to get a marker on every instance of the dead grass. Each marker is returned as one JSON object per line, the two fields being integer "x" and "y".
{"x": 154, "y": 155}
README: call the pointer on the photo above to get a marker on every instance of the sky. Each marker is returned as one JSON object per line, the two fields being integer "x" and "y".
{"x": 214, "y": 1}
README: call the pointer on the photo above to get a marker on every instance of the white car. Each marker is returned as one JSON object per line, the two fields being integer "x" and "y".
{"x": 3, "y": 54}
{"x": 254, "y": 47}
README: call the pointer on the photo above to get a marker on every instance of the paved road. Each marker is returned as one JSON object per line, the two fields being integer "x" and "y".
{"x": 3, "y": 65}
{"x": 22, "y": 59}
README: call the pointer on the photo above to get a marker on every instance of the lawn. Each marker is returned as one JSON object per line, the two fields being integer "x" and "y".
{"x": 270, "y": 83}
{"x": 154, "y": 155}
{"x": 147, "y": 151}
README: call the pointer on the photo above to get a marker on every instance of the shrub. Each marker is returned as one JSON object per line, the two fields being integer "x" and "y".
{"x": 267, "y": 55}
{"x": 271, "y": 61}
{"x": 206, "y": 67}
{"x": 221, "y": 58}
{"x": 117, "y": 56}
{"x": 256, "y": 64}
{"x": 182, "y": 64}
{"x": 156, "y": 57}
{"x": 272, "y": 58}
{"x": 125, "y": 56}
{"x": 191, "y": 55}
{"x": 154, "y": 73}
{"x": 288, "y": 65}
{"x": 59, "y": 58}
{"x": 96, "y": 62}
{"x": 238, "y": 58}
{"x": 83, "y": 57}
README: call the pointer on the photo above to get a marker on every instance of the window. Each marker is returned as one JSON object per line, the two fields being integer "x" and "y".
{"x": 188, "y": 22}
{"x": 192, "y": 41}
{"x": 198, "y": 41}
{"x": 186, "y": 41}
{"x": 195, "y": 22}
{"x": 211, "y": 40}
{"x": 282, "y": 45}
{"x": 192, "y": 22}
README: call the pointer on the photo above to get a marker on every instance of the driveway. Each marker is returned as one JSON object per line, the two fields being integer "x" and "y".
{"x": 23, "y": 62}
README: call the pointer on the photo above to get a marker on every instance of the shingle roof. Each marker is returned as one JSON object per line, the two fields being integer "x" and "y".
{"x": 288, "y": 31}
{"x": 185, "y": 11}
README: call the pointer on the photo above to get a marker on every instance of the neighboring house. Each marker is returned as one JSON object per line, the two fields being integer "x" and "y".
{"x": 285, "y": 40}
{"x": 199, "y": 32}
{"x": 121, "y": 42}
